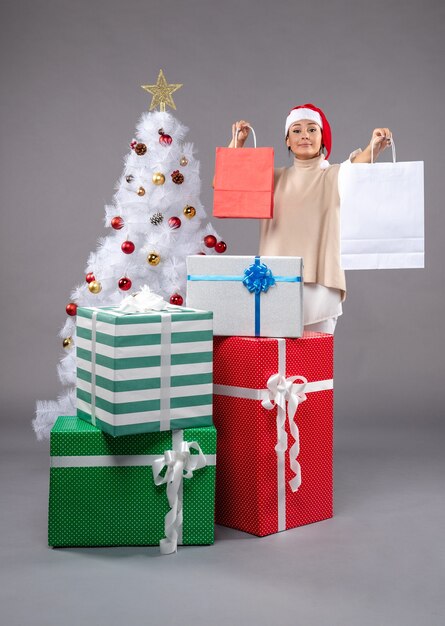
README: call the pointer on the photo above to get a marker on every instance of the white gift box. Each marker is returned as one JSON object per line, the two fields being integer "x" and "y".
{"x": 249, "y": 295}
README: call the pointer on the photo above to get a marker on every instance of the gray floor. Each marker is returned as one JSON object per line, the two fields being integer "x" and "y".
{"x": 379, "y": 562}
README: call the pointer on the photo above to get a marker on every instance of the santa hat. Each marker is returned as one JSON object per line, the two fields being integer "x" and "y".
{"x": 313, "y": 113}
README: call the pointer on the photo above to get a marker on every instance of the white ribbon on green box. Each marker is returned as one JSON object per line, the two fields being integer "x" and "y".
{"x": 144, "y": 372}
{"x": 284, "y": 394}
{"x": 180, "y": 464}
{"x": 164, "y": 390}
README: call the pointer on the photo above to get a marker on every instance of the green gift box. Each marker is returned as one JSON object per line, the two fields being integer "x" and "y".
{"x": 144, "y": 372}
{"x": 103, "y": 489}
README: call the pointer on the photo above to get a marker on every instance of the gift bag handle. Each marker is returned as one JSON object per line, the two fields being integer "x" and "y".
{"x": 235, "y": 136}
{"x": 393, "y": 147}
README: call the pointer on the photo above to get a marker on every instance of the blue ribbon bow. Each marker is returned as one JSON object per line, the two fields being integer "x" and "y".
{"x": 258, "y": 277}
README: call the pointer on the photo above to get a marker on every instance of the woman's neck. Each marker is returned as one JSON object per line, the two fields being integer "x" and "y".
{"x": 308, "y": 163}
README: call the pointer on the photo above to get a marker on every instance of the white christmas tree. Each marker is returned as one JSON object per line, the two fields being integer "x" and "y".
{"x": 156, "y": 220}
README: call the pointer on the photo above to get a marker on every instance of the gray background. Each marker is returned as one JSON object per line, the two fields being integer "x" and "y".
{"x": 70, "y": 99}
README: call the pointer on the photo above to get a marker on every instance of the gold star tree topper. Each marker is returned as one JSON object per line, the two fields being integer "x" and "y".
{"x": 162, "y": 93}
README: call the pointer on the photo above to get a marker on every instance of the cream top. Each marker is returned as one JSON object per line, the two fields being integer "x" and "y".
{"x": 320, "y": 303}
{"x": 306, "y": 221}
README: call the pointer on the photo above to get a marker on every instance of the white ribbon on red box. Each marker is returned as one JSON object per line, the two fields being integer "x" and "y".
{"x": 284, "y": 394}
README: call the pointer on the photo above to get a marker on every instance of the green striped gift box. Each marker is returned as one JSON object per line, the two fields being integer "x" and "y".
{"x": 144, "y": 372}
{"x": 102, "y": 491}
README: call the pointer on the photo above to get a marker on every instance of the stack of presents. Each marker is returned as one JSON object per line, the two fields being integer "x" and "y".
{"x": 218, "y": 411}
{"x": 221, "y": 410}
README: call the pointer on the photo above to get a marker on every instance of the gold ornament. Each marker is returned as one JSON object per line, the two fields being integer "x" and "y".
{"x": 158, "y": 178}
{"x": 141, "y": 191}
{"x": 162, "y": 93}
{"x": 153, "y": 258}
{"x": 189, "y": 211}
{"x": 183, "y": 161}
{"x": 95, "y": 286}
{"x": 67, "y": 342}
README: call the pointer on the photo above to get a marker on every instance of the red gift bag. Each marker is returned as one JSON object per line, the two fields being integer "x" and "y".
{"x": 244, "y": 182}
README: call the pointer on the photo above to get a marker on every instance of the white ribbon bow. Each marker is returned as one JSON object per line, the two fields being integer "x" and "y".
{"x": 142, "y": 302}
{"x": 283, "y": 390}
{"x": 180, "y": 464}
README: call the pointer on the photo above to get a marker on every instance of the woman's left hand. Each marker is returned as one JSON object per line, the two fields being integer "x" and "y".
{"x": 380, "y": 140}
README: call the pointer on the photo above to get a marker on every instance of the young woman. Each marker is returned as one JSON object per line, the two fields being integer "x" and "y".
{"x": 306, "y": 218}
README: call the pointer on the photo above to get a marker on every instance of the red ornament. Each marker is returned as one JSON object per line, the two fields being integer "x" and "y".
{"x": 210, "y": 241}
{"x": 165, "y": 140}
{"x": 174, "y": 222}
{"x": 176, "y": 299}
{"x": 89, "y": 277}
{"x": 71, "y": 308}
{"x": 133, "y": 144}
{"x": 220, "y": 247}
{"x": 127, "y": 247}
{"x": 117, "y": 223}
{"x": 124, "y": 283}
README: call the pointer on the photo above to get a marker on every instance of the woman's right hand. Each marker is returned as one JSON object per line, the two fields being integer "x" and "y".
{"x": 241, "y": 136}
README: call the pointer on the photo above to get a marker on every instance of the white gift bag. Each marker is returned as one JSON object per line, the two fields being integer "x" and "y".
{"x": 382, "y": 214}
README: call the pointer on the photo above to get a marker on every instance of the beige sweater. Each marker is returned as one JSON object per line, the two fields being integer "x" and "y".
{"x": 306, "y": 221}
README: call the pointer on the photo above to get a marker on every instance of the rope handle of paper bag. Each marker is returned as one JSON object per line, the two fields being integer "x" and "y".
{"x": 235, "y": 135}
{"x": 393, "y": 147}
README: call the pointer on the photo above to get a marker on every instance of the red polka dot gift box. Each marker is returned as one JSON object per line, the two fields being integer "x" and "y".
{"x": 273, "y": 410}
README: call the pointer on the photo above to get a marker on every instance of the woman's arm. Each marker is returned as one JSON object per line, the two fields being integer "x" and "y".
{"x": 380, "y": 140}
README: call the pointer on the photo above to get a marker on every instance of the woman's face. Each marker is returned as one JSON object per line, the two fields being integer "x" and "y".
{"x": 304, "y": 139}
